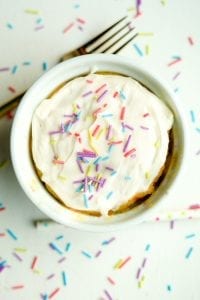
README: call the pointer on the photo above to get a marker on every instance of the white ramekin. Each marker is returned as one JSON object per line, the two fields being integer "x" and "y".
{"x": 21, "y": 152}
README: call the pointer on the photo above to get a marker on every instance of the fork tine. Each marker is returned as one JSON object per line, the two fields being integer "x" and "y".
{"x": 109, "y": 44}
{"x": 123, "y": 45}
{"x": 106, "y": 35}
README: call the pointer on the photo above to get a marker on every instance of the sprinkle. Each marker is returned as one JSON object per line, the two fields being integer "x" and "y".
{"x": 127, "y": 143}
{"x": 100, "y": 88}
{"x": 61, "y": 259}
{"x": 17, "y": 256}
{"x": 197, "y": 129}
{"x": 190, "y": 40}
{"x": 55, "y": 247}
{"x": 50, "y": 276}
{"x": 89, "y": 81}
{"x": 87, "y": 94}
{"x": 59, "y": 237}
{"x": 98, "y": 253}
{"x": 86, "y": 254}
{"x": 146, "y": 33}
{"x": 188, "y": 254}
{"x": 122, "y": 95}
{"x": 12, "y": 234}
{"x": 192, "y": 115}
{"x": 111, "y": 280}
{"x": 189, "y": 236}
{"x": 122, "y": 113}
{"x": 147, "y": 248}
{"x": 122, "y": 264}
{"x": 128, "y": 126}
{"x": 138, "y": 273}
{"x": 107, "y": 115}
{"x": 176, "y": 75}
{"x": 138, "y": 50}
{"x": 144, "y": 127}
{"x": 128, "y": 153}
{"x": 11, "y": 89}
{"x": 31, "y": 11}
{"x": 145, "y": 115}
{"x": 144, "y": 262}
{"x": 39, "y": 27}
{"x": 58, "y": 162}
{"x": 107, "y": 242}
{"x": 54, "y": 293}
{"x": 171, "y": 224}
{"x": 26, "y": 63}
{"x": 66, "y": 29}
{"x": 16, "y": 287}
{"x": 14, "y": 69}
{"x": 108, "y": 295}
{"x": 108, "y": 132}
{"x": 175, "y": 61}
{"x": 68, "y": 247}
{"x": 4, "y": 69}
{"x": 44, "y": 66}
{"x": 80, "y": 20}
{"x": 115, "y": 142}
{"x": 9, "y": 25}
{"x": 2, "y": 208}
{"x": 147, "y": 49}
{"x": 115, "y": 94}
{"x": 109, "y": 195}
{"x": 34, "y": 262}
{"x": 127, "y": 177}
{"x": 20, "y": 249}
{"x": 169, "y": 288}
{"x": 64, "y": 278}
{"x": 102, "y": 95}
{"x": 85, "y": 200}
{"x": 95, "y": 130}
{"x": 79, "y": 165}
{"x": 80, "y": 28}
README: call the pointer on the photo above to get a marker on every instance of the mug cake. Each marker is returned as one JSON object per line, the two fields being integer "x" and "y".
{"x": 101, "y": 143}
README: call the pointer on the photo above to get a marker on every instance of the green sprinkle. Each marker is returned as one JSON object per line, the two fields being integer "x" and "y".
{"x": 44, "y": 66}
{"x": 86, "y": 254}
{"x": 64, "y": 278}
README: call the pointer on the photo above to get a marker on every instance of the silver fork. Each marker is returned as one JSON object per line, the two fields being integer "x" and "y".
{"x": 112, "y": 40}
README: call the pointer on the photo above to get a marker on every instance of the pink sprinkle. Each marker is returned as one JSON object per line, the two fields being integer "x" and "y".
{"x": 102, "y": 95}
{"x": 146, "y": 115}
{"x": 128, "y": 126}
{"x": 127, "y": 143}
{"x": 89, "y": 81}
{"x": 190, "y": 40}
{"x": 58, "y": 162}
{"x": 12, "y": 89}
{"x": 68, "y": 27}
{"x": 128, "y": 153}
{"x": 54, "y": 293}
{"x": 100, "y": 88}
{"x": 95, "y": 130}
{"x": 124, "y": 262}
{"x": 174, "y": 62}
{"x": 108, "y": 132}
{"x": 80, "y": 20}
{"x": 122, "y": 113}
{"x": 34, "y": 262}
{"x": 16, "y": 287}
{"x": 111, "y": 280}
{"x": 194, "y": 206}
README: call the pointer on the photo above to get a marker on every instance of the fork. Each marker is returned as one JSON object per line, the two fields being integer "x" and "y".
{"x": 111, "y": 41}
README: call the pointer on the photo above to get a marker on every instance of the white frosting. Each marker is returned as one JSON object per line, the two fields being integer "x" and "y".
{"x": 90, "y": 113}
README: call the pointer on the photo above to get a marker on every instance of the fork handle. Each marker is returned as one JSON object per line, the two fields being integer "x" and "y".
{"x": 74, "y": 53}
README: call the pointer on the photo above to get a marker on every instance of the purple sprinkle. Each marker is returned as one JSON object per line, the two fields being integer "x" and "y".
{"x": 171, "y": 224}
{"x": 4, "y": 69}
{"x": 128, "y": 126}
{"x": 78, "y": 181}
{"x": 91, "y": 196}
{"x": 87, "y": 94}
{"x": 126, "y": 144}
{"x": 97, "y": 167}
{"x": 50, "y": 276}
{"x": 102, "y": 95}
{"x": 108, "y": 132}
{"x": 79, "y": 165}
{"x": 108, "y": 295}
{"x": 138, "y": 273}
{"x": 62, "y": 259}
{"x": 55, "y": 132}
{"x": 98, "y": 253}
{"x": 144, "y": 262}
{"x": 69, "y": 116}
{"x": 144, "y": 127}
{"x": 86, "y": 154}
{"x": 109, "y": 168}
{"x": 17, "y": 256}
{"x": 85, "y": 184}
{"x": 39, "y": 27}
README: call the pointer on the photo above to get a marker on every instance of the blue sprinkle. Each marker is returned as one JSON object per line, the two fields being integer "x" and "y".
{"x": 14, "y": 69}
{"x": 127, "y": 177}
{"x": 97, "y": 160}
{"x": 44, "y": 297}
{"x": 138, "y": 50}
{"x": 189, "y": 236}
{"x": 198, "y": 129}
{"x": 12, "y": 234}
{"x": 68, "y": 247}
{"x": 86, "y": 254}
{"x": 113, "y": 173}
{"x": 107, "y": 115}
{"x": 44, "y": 66}
{"x": 2, "y": 263}
{"x": 9, "y": 25}
{"x": 79, "y": 188}
{"x": 64, "y": 278}
{"x": 105, "y": 158}
{"x": 122, "y": 95}
{"x": 59, "y": 237}
{"x": 26, "y": 63}
{"x": 188, "y": 254}
{"x": 147, "y": 248}
{"x": 85, "y": 200}
{"x": 109, "y": 195}
{"x": 192, "y": 116}
{"x": 55, "y": 247}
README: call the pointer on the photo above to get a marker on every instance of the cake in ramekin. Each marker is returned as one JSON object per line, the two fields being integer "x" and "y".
{"x": 101, "y": 143}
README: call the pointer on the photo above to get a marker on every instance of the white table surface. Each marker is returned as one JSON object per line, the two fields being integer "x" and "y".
{"x": 31, "y": 34}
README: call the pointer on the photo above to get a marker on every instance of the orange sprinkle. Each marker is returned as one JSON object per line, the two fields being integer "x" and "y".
{"x": 12, "y": 89}
{"x": 58, "y": 162}
{"x": 100, "y": 88}
{"x": 95, "y": 130}
{"x": 124, "y": 262}
{"x": 16, "y": 287}
{"x": 115, "y": 94}
{"x": 111, "y": 280}
{"x": 190, "y": 40}
{"x": 115, "y": 143}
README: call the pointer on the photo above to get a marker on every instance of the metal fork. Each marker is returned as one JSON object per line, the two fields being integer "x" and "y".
{"x": 111, "y": 40}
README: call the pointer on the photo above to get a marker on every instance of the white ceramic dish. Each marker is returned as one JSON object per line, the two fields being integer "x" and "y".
{"x": 20, "y": 142}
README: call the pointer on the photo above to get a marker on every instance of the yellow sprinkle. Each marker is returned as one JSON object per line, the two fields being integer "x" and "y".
{"x": 146, "y": 33}
{"x": 147, "y": 50}
{"x": 147, "y": 175}
{"x": 90, "y": 137}
{"x": 32, "y": 11}
{"x": 20, "y": 249}
{"x": 37, "y": 272}
{"x": 169, "y": 216}
{"x": 74, "y": 105}
{"x": 52, "y": 141}
{"x": 62, "y": 177}
{"x": 141, "y": 282}
{"x": 118, "y": 263}
{"x": 131, "y": 8}
{"x": 163, "y": 2}
{"x": 88, "y": 171}
{"x": 157, "y": 144}
{"x": 183, "y": 213}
